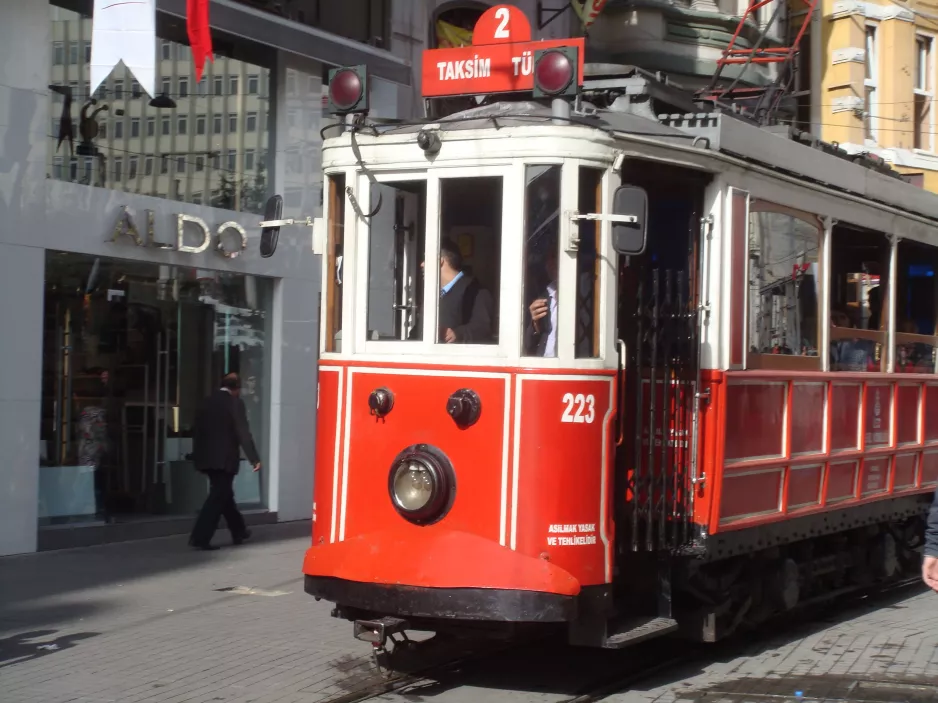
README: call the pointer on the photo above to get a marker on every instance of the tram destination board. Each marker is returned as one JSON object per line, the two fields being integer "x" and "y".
{"x": 499, "y": 60}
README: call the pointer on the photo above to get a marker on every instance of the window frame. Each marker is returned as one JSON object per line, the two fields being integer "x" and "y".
{"x": 757, "y": 361}
{"x": 870, "y": 83}
{"x": 924, "y": 89}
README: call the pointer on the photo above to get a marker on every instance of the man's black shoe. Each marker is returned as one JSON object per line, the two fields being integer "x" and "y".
{"x": 242, "y": 538}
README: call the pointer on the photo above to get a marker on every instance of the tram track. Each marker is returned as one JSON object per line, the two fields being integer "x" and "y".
{"x": 640, "y": 664}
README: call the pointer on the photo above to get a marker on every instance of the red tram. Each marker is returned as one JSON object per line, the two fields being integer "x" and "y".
{"x": 686, "y": 379}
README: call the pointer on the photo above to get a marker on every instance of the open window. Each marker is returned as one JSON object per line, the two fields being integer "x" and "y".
{"x": 916, "y": 308}
{"x": 395, "y": 253}
{"x": 335, "y": 248}
{"x": 783, "y": 329}
{"x": 859, "y": 310}
{"x": 470, "y": 244}
{"x": 541, "y": 250}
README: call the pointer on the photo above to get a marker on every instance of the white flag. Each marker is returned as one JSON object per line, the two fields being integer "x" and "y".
{"x": 124, "y": 30}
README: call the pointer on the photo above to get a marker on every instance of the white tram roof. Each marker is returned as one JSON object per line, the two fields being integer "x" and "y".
{"x": 704, "y": 137}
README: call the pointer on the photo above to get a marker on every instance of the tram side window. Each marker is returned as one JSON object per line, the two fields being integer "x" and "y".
{"x": 586, "y": 336}
{"x": 783, "y": 299}
{"x": 470, "y": 260}
{"x": 859, "y": 262}
{"x": 334, "y": 272}
{"x": 916, "y": 308}
{"x": 395, "y": 248}
{"x": 539, "y": 258}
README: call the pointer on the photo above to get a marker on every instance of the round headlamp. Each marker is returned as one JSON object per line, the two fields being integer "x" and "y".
{"x": 422, "y": 484}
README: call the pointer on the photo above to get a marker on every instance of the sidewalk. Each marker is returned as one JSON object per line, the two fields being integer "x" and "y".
{"x": 147, "y": 621}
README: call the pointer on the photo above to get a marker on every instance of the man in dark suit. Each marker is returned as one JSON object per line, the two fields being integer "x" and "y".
{"x": 221, "y": 431}
{"x": 465, "y": 306}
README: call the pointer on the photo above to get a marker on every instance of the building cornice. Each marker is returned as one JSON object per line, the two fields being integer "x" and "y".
{"x": 871, "y": 11}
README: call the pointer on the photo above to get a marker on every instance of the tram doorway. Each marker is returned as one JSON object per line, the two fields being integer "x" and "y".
{"x": 657, "y": 321}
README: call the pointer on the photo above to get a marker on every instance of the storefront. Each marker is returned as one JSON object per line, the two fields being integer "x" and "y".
{"x": 129, "y": 274}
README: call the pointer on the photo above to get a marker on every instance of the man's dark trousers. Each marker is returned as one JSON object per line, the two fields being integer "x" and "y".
{"x": 220, "y": 501}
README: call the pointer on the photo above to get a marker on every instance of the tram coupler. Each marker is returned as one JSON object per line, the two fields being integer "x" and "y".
{"x": 378, "y": 631}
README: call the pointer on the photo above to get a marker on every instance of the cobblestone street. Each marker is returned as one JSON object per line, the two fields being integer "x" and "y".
{"x": 154, "y": 621}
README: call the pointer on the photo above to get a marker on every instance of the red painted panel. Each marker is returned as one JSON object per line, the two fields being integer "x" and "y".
{"x": 739, "y": 256}
{"x": 845, "y": 414}
{"x": 929, "y": 468}
{"x": 755, "y": 414}
{"x": 804, "y": 486}
{"x": 561, "y": 471}
{"x": 905, "y": 471}
{"x": 875, "y": 476}
{"x": 931, "y": 413}
{"x": 327, "y": 429}
{"x": 907, "y": 414}
{"x": 841, "y": 481}
{"x": 419, "y": 416}
{"x": 877, "y": 415}
{"x": 750, "y": 494}
{"x": 807, "y": 427}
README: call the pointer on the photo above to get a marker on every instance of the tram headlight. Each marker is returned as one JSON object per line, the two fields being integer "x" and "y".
{"x": 348, "y": 90}
{"x": 555, "y": 71}
{"x": 421, "y": 484}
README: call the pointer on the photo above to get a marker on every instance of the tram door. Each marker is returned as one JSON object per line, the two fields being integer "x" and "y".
{"x": 658, "y": 325}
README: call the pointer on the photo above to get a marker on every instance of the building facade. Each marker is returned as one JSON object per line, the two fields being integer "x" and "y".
{"x": 129, "y": 270}
{"x": 872, "y": 78}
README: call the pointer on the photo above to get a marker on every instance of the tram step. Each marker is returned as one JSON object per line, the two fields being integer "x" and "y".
{"x": 634, "y": 630}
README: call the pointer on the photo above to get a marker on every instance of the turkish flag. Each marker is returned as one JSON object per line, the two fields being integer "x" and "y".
{"x": 200, "y": 36}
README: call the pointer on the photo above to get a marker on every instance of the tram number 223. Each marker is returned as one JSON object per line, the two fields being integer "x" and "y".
{"x": 578, "y": 408}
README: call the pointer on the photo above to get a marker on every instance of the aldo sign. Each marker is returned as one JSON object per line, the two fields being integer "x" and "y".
{"x": 199, "y": 234}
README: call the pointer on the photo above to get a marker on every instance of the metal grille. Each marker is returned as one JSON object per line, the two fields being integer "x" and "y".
{"x": 662, "y": 386}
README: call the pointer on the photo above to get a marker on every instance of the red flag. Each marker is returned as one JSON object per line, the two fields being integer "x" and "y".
{"x": 200, "y": 36}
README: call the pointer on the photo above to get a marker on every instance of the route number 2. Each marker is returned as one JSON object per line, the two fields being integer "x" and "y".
{"x": 585, "y": 408}
{"x": 501, "y": 32}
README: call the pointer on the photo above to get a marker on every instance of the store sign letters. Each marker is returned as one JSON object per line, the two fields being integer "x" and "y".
{"x": 126, "y": 227}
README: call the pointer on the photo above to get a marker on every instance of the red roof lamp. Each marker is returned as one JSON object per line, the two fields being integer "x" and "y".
{"x": 348, "y": 90}
{"x": 555, "y": 72}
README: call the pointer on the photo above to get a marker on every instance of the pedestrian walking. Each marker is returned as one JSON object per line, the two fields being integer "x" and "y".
{"x": 930, "y": 564}
{"x": 221, "y": 431}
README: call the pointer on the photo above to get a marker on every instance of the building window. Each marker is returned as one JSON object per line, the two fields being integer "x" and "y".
{"x": 58, "y": 54}
{"x": 253, "y": 85}
{"x": 135, "y": 127}
{"x": 924, "y": 94}
{"x": 119, "y": 128}
{"x": 200, "y": 124}
{"x": 151, "y": 126}
{"x": 872, "y": 71}
{"x": 135, "y": 90}
{"x": 213, "y": 334}
{"x": 216, "y": 124}
{"x": 250, "y": 123}
{"x": 249, "y": 160}
{"x": 166, "y": 126}
{"x": 166, "y": 86}
{"x": 87, "y": 52}
{"x": 118, "y": 169}
{"x": 233, "y": 85}
{"x": 148, "y": 166}
{"x": 183, "y": 87}
{"x": 216, "y": 161}
{"x": 232, "y": 160}
{"x": 199, "y": 163}
{"x": 182, "y": 125}
{"x": 132, "y": 167}
{"x": 165, "y": 49}
{"x": 102, "y": 130}
{"x": 118, "y": 90}
{"x": 180, "y": 164}
{"x": 232, "y": 123}
{"x": 219, "y": 85}
{"x": 73, "y": 52}
{"x": 164, "y": 164}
